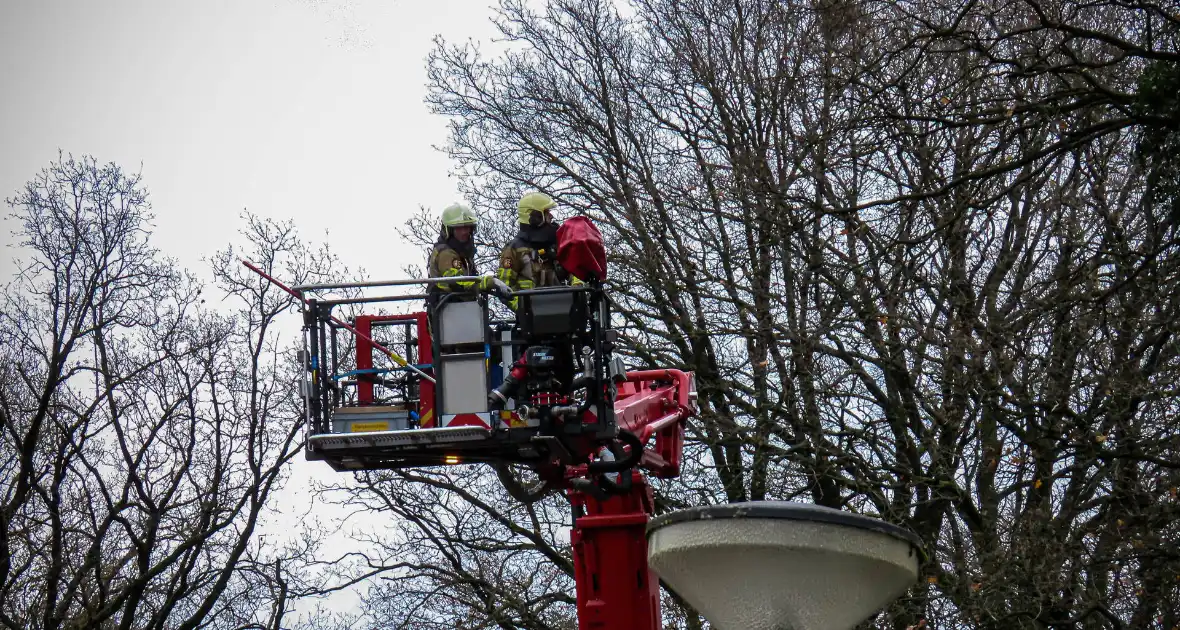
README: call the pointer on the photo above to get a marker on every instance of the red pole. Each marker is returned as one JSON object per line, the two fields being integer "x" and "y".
{"x": 616, "y": 589}
{"x": 389, "y": 353}
{"x": 425, "y": 355}
{"x": 364, "y": 361}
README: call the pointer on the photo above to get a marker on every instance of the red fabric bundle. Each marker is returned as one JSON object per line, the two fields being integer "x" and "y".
{"x": 580, "y": 249}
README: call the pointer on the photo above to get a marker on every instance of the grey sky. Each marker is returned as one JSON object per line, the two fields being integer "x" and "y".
{"x": 305, "y": 109}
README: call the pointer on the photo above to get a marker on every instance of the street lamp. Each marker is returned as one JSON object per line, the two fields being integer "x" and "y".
{"x": 776, "y": 565}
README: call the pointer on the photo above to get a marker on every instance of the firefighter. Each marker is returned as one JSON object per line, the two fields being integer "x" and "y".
{"x": 530, "y": 260}
{"x": 454, "y": 253}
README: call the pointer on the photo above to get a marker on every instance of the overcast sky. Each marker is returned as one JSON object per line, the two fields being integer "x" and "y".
{"x": 302, "y": 109}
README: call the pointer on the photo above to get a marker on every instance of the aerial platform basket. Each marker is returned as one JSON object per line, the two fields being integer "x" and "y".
{"x": 426, "y": 401}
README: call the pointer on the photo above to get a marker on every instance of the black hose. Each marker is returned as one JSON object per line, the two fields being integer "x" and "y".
{"x": 620, "y": 465}
{"x": 589, "y": 487}
{"x": 518, "y": 491}
{"x": 623, "y": 485}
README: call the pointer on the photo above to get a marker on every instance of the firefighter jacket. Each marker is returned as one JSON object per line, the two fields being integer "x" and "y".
{"x": 530, "y": 260}
{"x": 448, "y": 258}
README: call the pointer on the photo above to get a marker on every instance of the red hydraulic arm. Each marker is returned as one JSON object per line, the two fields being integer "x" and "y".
{"x": 615, "y": 587}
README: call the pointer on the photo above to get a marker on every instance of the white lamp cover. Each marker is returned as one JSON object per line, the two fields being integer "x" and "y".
{"x": 775, "y": 565}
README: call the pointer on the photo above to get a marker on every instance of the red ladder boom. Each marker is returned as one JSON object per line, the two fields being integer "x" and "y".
{"x": 616, "y": 588}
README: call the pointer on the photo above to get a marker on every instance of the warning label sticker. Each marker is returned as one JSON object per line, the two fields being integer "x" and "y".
{"x": 362, "y": 427}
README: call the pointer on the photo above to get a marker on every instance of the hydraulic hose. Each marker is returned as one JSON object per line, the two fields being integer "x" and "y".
{"x": 516, "y": 490}
{"x": 590, "y": 488}
{"x": 620, "y": 465}
{"x": 621, "y": 484}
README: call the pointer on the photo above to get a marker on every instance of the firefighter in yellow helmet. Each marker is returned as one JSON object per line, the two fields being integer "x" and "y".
{"x": 454, "y": 253}
{"x": 530, "y": 260}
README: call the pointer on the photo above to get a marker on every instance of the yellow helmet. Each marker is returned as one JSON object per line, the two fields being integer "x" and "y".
{"x": 458, "y": 214}
{"x": 534, "y": 202}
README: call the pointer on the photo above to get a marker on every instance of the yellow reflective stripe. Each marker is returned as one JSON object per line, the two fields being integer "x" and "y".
{"x": 452, "y": 272}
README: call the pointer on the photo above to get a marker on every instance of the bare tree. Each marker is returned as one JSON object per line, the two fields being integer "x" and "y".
{"x": 144, "y": 433}
{"x": 908, "y": 250}
{"x": 460, "y": 553}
